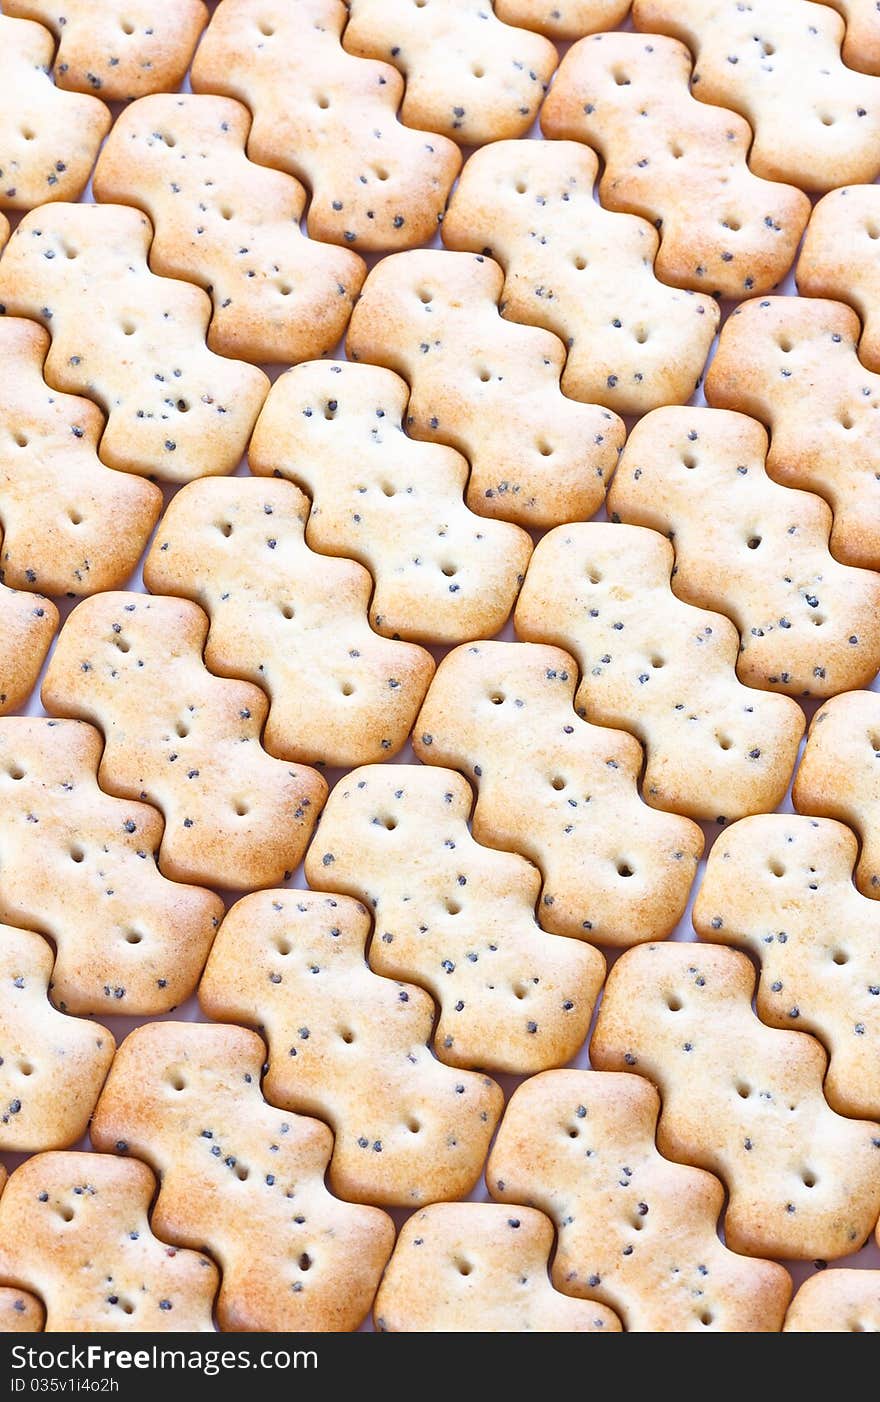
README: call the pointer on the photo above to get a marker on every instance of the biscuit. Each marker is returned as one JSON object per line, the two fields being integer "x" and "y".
{"x": 442, "y": 574}
{"x": 472, "y": 1267}
{"x": 27, "y": 627}
{"x": 486, "y": 386}
{"x": 456, "y": 918}
{"x": 742, "y": 1100}
{"x": 48, "y": 139}
{"x": 230, "y": 226}
{"x": 119, "y": 48}
{"x": 350, "y": 1048}
{"x": 72, "y": 526}
{"x": 293, "y": 621}
{"x": 751, "y": 549}
{"x": 79, "y": 865}
{"x": 468, "y": 74}
{"x": 838, "y": 259}
{"x": 52, "y": 1066}
{"x": 563, "y": 19}
{"x": 20, "y": 1311}
{"x": 661, "y": 669}
{"x": 861, "y": 41}
{"x": 582, "y": 272}
{"x": 780, "y": 353}
{"x": 560, "y": 791}
{"x": 634, "y": 1230}
{"x": 837, "y": 777}
{"x": 4, "y": 229}
{"x": 243, "y": 1178}
{"x": 174, "y": 409}
{"x": 184, "y": 740}
{"x": 836, "y": 1302}
{"x": 682, "y": 165}
{"x": 816, "y": 123}
{"x": 75, "y": 1228}
{"x": 821, "y": 973}
{"x": 329, "y": 119}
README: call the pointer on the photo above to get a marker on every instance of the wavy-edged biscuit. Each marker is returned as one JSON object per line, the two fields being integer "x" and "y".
{"x": 242, "y": 1178}
{"x": 836, "y": 1302}
{"x": 861, "y": 40}
{"x": 840, "y": 259}
{"x": 486, "y": 386}
{"x": 682, "y": 165}
{"x": 20, "y": 1311}
{"x": 27, "y": 627}
{"x": 563, "y": 19}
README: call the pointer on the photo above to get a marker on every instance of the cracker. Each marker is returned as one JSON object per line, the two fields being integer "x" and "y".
{"x": 682, "y": 166}
{"x": 751, "y": 549}
{"x": 780, "y": 353}
{"x": 351, "y": 1048}
{"x": 563, "y": 19}
{"x": 184, "y": 740}
{"x": 329, "y": 119}
{"x": 27, "y": 626}
{"x": 79, "y": 865}
{"x": 661, "y": 669}
{"x": 4, "y": 229}
{"x": 486, "y": 386}
{"x": 243, "y": 1178}
{"x": 468, "y": 74}
{"x": 72, "y": 526}
{"x": 20, "y": 1311}
{"x": 838, "y": 259}
{"x": 442, "y": 574}
{"x": 174, "y": 409}
{"x": 614, "y": 871}
{"x": 230, "y": 226}
{"x": 456, "y": 918}
{"x": 836, "y": 1302}
{"x": 119, "y": 48}
{"x": 52, "y": 1066}
{"x": 75, "y": 1228}
{"x": 582, "y": 272}
{"x": 741, "y": 1099}
{"x": 635, "y": 1230}
{"x": 837, "y": 775}
{"x": 291, "y": 620}
{"x": 816, "y": 122}
{"x": 821, "y": 972}
{"x": 475, "y": 1267}
{"x": 861, "y": 41}
{"x": 48, "y": 139}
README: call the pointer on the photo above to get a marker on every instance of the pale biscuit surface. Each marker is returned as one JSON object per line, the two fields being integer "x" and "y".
{"x": 614, "y": 870}
{"x": 816, "y": 122}
{"x": 486, "y": 386}
{"x": 119, "y": 48}
{"x": 182, "y": 739}
{"x": 174, "y": 409}
{"x": 72, "y": 525}
{"x": 782, "y": 886}
{"x": 861, "y": 42}
{"x": 52, "y": 1066}
{"x": 74, "y": 1227}
{"x": 468, "y": 74}
{"x": 442, "y": 574}
{"x": 775, "y": 356}
{"x": 840, "y": 259}
{"x": 837, "y": 776}
{"x": 291, "y": 620}
{"x": 242, "y": 1178}
{"x": 456, "y": 917}
{"x": 27, "y": 626}
{"x": 741, "y": 1099}
{"x": 479, "y": 1267}
{"x": 836, "y": 1302}
{"x": 563, "y": 19}
{"x": 229, "y": 225}
{"x": 635, "y": 1230}
{"x": 582, "y": 272}
{"x": 351, "y": 1048}
{"x": 20, "y": 1311}
{"x": 48, "y": 139}
{"x": 661, "y": 669}
{"x": 330, "y": 119}
{"x": 80, "y": 865}
{"x": 681, "y": 165}
{"x": 752, "y": 549}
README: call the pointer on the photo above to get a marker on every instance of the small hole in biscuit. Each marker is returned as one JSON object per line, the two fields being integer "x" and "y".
{"x": 128, "y": 328}
{"x": 74, "y": 518}
{"x": 809, "y": 1178}
{"x": 16, "y": 772}
{"x": 226, "y": 212}
{"x": 225, "y": 528}
{"x": 785, "y": 344}
{"x": 77, "y": 853}
{"x": 26, "y": 1068}
{"x": 485, "y": 376}
{"x": 241, "y": 809}
{"x": 133, "y": 937}
{"x": 304, "y": 1261}
{"x": 657, "y": 662}
{"x": 177, "y": 1082}
{"x": 817, "y": 620}
{"x": 594, "y": 576}
{"x": 688, "y": 460}
{"x": 182, "y": 406}
{"x": 169, "y": 140}
{"x": 573, "y": 1133}
{"x": 497, "y": 698}
{"x": 558, "y": 783}
{"x": 725, "y": 742}
{"x": 544, "y": 448}
{"x": 777, "y": 868}
{"x": 641, "y": 335}
{"x": 742, "y": 1090}
{"x": 390, "y": 824}
{"x": 347, "y": 1037}
{"x": 827, "y": 121}
{"x": 21, "y": 439}
{"x": 282, "y": 945}
{"x": 520, "y": 991}
{"x": 478, "y": 70}
{"x": 70, "y": 253}
{"x": 287, "y": 611}
{"x": 388, "y": 490}
{"x": 347, "y": 689}
{"x": 266, "y": 28}
{"x": 753, "y": 542}
{"x": 624, "y": 870}
{"x": 873, "y": 231}
{"x": 637, "y": 1224}
{"x": 126, "y": 1306}
{"x": 323, "y": 103}
{"x": 464, "y": 1267}
{"x": 28, "y": 134}
{"x": 413, "y": 1126}
{"x": 675, "y": 151}
{"x": 449, "y": 570}
{"x": 182, "y": 729}
{"x": 127, "y": 26}
{"x": 673, "y": 1003}
{"x": 839, "y": 957}
{"x": 242, "y": 1173}
{"x": 380, "y": 172}
{"x": 706, "y": 1317}
{"x": 425, "y": 296}
{"x": 580, "y": 262}
{"x": 66, "y": 1214}
{"x": 732, "y": 224}
{"x": 621, "y": 79}
{"x": 846, "y": 421}
{"x": 521, "y": 187}
{"x": 121, "y": 645}
{"x": 452, "y": 907}
{"x": 285, "y": 289}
